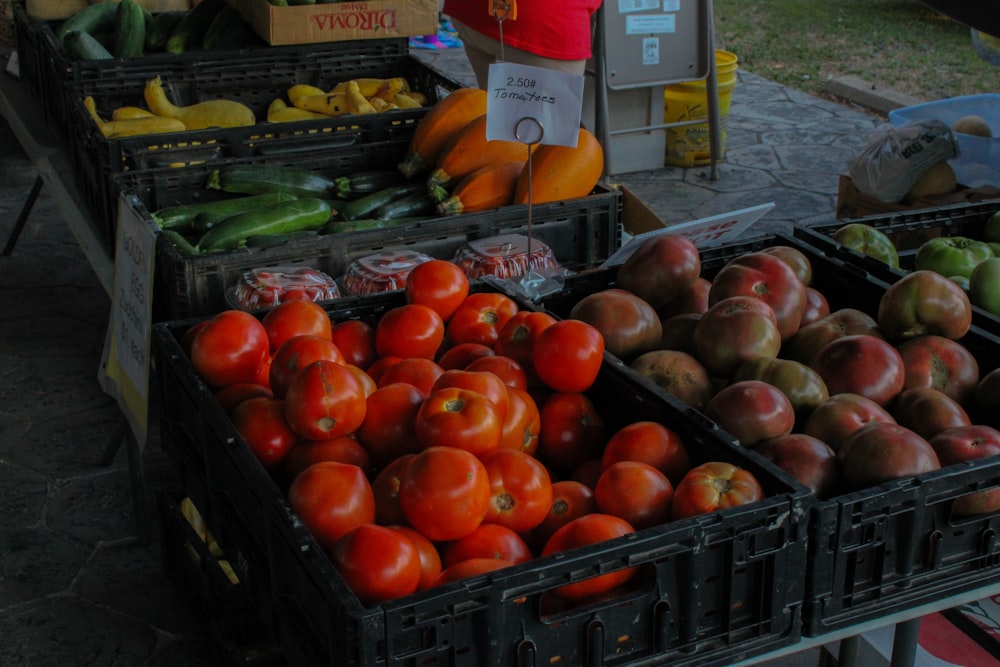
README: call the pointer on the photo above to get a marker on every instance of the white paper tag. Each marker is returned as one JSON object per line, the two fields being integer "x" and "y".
{"x": 533, "y": 105}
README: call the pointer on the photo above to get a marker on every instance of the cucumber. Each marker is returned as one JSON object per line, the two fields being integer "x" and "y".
{"x": 366, "y": 182}
{"x": 93, "y": 18}
{"x": 281, "y": 218}
{"x": 130, "y": 30}
{"x": 182, "y": 217}
{"x": 190, "y": 31}
{"x": 420, "y": 203}
{"x": 365, "y": 207}
{"x": 180, "y": 242}
{"x": 159, "y": 29}
{"x": 83, "y": 46}
{"x": 260, "y": 178}
{"x": 228, "y": 31}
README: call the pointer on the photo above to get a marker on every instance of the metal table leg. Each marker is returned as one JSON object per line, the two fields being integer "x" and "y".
{"x": 22, "y": 218}
{"x": 904, "y": 643}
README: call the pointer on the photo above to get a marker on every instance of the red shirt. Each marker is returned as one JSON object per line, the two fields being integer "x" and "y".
{"x": 548, "y": 28}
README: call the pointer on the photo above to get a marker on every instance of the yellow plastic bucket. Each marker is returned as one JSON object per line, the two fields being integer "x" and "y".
{"x": 689, "y": 146}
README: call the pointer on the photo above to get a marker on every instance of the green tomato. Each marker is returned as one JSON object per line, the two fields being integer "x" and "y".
{"x": 995, "y": 247}
{"x": 868, "y": 241}
{"x": 991, "y": 232}
{"x": 984, "y": 285}
{"x": 952, "y": 255}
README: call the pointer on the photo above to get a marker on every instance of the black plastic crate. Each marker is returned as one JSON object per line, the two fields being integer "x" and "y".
{"x": 580, "y": 232}
{"x": 29, "y": 40}
{"x": 97, "y": 158}
{"x": 890, "y": 547}
{"x": 715, "y": 589}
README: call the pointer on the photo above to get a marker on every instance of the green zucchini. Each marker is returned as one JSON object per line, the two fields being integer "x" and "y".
{"x": 281, "y": 218}
{"x": 83, "y": 46}
{"x": 181, "y": 217}
{"x": 228, "y": 31}
{"x": 365, "y": 207}
{"x": 191, "y": 29}
{"x": 420, "y": 203}
{"x": 254, "y": 179}
{"x": 130, "y": 30}
{"x": 180, "y": 242}
{"x": 366, "y": 182}
{"x": 159, "y": 29}
{"x": 94, "y": 18}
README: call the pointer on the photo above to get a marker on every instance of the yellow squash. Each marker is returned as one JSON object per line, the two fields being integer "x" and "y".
{"x": 211, "y": 113}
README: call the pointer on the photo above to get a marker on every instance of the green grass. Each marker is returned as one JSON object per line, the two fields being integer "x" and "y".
{"x": 899, "y": 45}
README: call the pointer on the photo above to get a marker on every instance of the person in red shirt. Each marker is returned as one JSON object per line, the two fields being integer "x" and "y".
{"x": 546, "y": 33}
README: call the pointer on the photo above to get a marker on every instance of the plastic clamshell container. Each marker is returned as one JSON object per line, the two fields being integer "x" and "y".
{"x": 382, "y": 272}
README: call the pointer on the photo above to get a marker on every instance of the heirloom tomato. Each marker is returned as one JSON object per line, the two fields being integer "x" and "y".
{"x": 765, "y": 277}
{"x": 444, "y": 493}
{"x": 869, "y": 241}
{"x": 881, "y": 452}
{"x": 629, "y": 325}
{"x": 378, "y": 563}
{"x": 861, "y": 364}
{"x": 924, "y": 302}
{"x": 752, "y": 410}
{"x": 984, "y": 286}
{"x": 952, "y": 255}
{"x": 661, "y": 268}
{"x": 801, "y": 384}
{"x": 714, "y": 485}
{"x": 833, "y": 420}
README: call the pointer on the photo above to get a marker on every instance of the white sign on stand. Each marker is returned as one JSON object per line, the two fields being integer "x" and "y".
{"x": 553, "y": 99}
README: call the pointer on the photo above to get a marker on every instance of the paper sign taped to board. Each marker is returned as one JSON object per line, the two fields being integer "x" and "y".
{"x": 533, "y": 105}
{"x": 703, "y": 232}
{"x": 650, "y": 24}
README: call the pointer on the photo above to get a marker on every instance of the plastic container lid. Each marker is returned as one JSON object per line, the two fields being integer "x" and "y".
{"x": 505, "y": 256}
{"x": 267, "y": 287}
{"x": 382, "y": 272}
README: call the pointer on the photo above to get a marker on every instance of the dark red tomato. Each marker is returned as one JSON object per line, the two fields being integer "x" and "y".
{"x": 470, "y": 568}
{"x": 389, "y": 428}
{"x": 295, "y": 354}
{"x": 567, "y": 355}
{"x": 411, "y": 330}
{"x": 517, "y": 338}
{"x": 261, "y": 422}
{"x": 480, "y": 318}
{"x": 378, "y": 563}
{"x": 487, "y": 384}
{"x": 343, "y": 448}
{"x": 418, "y": 372}
{"x": 459, "y": 418}
{"x": 584, "y": 531}
{"x": 508, "y": 370}
{"x": 430, "y": 559}
{"x": 523, "y": 422}
{"x": 324, "y": 400}
{"x": 489, "y": 540}
{"x": 649, "y": 442}
{"x": 385, "y": 486}
{"x": 636, "y": 492}
{"x": 444, "y": 493}
{"x": 572, "y": 431}
{"x": 570, "y": 499}
{"x": 229, "y": 348}
{"x": 365, "y": 380}
{"x": 438, "y": 284}
{"x": 861, "y": 364}
{"x": 714, "y": 485}
{"x": 817, "y": 307}
{"x": 231, "y": 396}
{"x": 295, "y": 318}
{"x": 520, "y": 488}
{"x": 356, "y": 340}
{"x": 463, "y": 354}
{"x": 188, "y": 336}
{"x": 588, "y": 472}
{"x": 376, "y": 370}
{"x": 331, "y": 498}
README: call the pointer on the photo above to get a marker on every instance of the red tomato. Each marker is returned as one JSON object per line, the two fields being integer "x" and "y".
{"x": 380, "y": 365}
{"x": 367, "y": 383}
{"x": 412, "y": 330}
{"x": 567, "y": 355}
{"x": 480, "y": 318}
{"x": 264, "y": 372}
{"x": 295, "y": 354}
{"x": 636, "y": 492}
{"x": 649, "y": 442}
{"x": 520, "y": 488}
{"x": 460, "y": 418}
{"x": 295, "y": 318}
{"x": 343, "y": 448}
{"x": 444, "y": 493}
{"x": 378, "y": 563}
{"x": 385, "y": 486}
{"x": 470, "y": 568}
{"x": 463, "y": 354}
{"x": 505, "y": 368}
{"x": 418, "y": 372}
{"x": 356, "y": 340}
{"x": 231, "y": 396}
{"x": 331, "y": 498}
{"x": 489, "y": 540}
{"x": 438, "y": 284}
{"x": 588, "y": 472}
{"x": 584, "y": 531}
{"x": 523, "y": 422}
{"x": 261, "y": 422}
{"x": 517, "y": 339}
{"x": 712, "y": 486}
{"x": 188, "y": 336}
{"x": 487, "y": 384}
{"x": 324, "y": 400}
{"x": 389, "y": 428}
{"x": 229, "y": 348}
{"x": 570, "y": 499}
{"x": 430, "y": 559}
{"x": 572, "y": 431}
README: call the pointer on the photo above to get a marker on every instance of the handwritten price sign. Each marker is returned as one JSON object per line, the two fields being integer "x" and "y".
{"x": 551, "y": 101}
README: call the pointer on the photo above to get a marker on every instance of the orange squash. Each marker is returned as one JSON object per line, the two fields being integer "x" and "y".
{"x": 561, "y": 172}
{"x": 486, "y": 188}
{"x": 469, "y": 150}
{"x": 443, "y": 120}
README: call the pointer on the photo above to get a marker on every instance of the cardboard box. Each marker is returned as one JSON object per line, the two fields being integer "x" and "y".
{"x": 339, "y": 21}
{"x": 852, "y": 203}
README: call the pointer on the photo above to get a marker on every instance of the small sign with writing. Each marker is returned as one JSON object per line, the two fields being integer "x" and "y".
{"x": 533, "y": 105}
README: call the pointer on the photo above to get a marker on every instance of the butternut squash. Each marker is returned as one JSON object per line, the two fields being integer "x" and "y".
{"x": 444, "y": 119}
{"x": 211, "y": 113}
{"x": 279, "y": 112}
{"x": 561, "y": 172}
{"x": 131, "y": 127}
{"x": 484, "y": 189}
{"x": 469, "y": 150}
